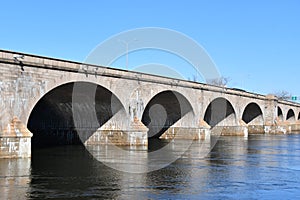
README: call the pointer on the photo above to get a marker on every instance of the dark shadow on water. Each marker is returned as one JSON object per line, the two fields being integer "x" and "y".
{"x": 70, "y": 172}
{"x": 155, "y": 144}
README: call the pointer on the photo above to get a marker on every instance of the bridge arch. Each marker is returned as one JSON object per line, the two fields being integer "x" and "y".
{"x": 253, "y": 114}
{"x": 164, "y": 110}
{"x": 220, "y": 110}
{"x": 51, "y": 120}
{"x": 280, "y": 114}
{"x": 290, "y": 115}
{"x": 299, "y": 116}
{"x": 66, "y": 79}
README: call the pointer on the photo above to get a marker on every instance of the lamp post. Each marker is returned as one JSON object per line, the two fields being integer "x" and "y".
{"x": 127, "y": 49}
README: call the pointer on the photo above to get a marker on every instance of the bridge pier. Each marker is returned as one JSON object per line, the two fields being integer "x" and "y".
{"x": 234, "y": 131}
{"x": 277, "y": 129}
{"x": 282, "y": 128}
{"x": 186, "y": 133}
{"x": 134, "y": 135}
{"x": 202, "y": 132}
{"x": 15, "y": 140}
{"x": 230, "y": 127}
{"x": 296, "y": 127}
{"x": 256, "y": 129}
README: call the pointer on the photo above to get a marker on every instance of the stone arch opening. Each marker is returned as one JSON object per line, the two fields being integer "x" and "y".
{"x": 51, "y": 120}
{"x": 299, "y": 116}
{"x": 279, "y": 114}
{"x": 163, "y": 111}
{"x": 220, "y": 110}
{"x": 290, "y": 115}
{"x": 253, "y": 114}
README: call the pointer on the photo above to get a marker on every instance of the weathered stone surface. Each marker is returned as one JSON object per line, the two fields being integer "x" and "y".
{"x": 15, "y": 140}
{"x": 203, "y": 124}
{"x": 136, "y": 135}
{"x": 16, "y": 129}
{"x": 256, "y": 129}
{"x": 296, "y": 128}
{"x": 229, "y": 131}
{"x": 186, "y": 133}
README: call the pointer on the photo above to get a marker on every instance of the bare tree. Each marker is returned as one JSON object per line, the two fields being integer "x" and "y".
{"x": 222, "y": 81}
{"x": 193, "y": 78}
{"x": 283, "y": 95}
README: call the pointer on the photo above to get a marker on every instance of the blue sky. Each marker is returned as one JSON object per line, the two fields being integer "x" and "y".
{"x": 254, "y": 43}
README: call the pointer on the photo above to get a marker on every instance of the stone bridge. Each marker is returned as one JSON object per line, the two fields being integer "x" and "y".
{"x": 58, "y": 101}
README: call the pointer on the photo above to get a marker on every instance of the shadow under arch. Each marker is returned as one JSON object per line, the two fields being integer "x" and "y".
{"x": 218, "y": 110}
{"x": 51, "y": 120}
{"x": 280, "y": 114}
{"x": 253, "y": 114}
{"x": 298, "y": 116}
{"x": 290, "y": 115}
{"x": 164, "y": 110}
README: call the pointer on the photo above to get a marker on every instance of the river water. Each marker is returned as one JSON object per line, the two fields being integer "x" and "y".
{"x": 260, "y": 167}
